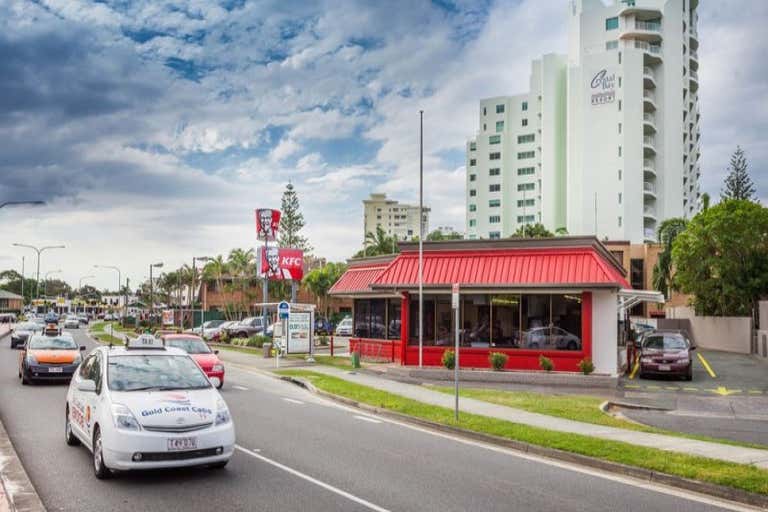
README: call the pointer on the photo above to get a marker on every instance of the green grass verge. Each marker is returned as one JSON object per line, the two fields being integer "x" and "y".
{"x": 575, "y": 407}
{"x": 234, "y": 348}
{"x": 738, "y": 476}
{"x": 335, "y": 361}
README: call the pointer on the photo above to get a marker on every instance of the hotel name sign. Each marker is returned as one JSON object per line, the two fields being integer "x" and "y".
{"x": 603, "y": 88}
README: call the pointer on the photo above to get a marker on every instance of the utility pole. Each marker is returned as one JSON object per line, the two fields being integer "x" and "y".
{"x": 22, "y": 283}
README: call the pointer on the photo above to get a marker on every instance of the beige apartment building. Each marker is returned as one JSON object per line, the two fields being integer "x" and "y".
{"x": 394, "y": 217}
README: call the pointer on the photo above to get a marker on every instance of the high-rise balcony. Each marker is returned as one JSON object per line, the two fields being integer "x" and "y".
{"x": 643, "y": 31}
{"x": 694, "y": 81}
{"x": 649, "y": 100}
{"x": 652, "y": 52}
{"x": 694, "y": 59}
{"x": 649, "y": 122}
{"x": 649, "y": 77}
{"x": 649, "y": 234}
{"x": 649, "y": 212}
{"x": 693, "y": 38}
{"x": 630, "y": 9}
{"x": 649, "y": 168}
{"x": 649, "y": 189}
{"x": 649, "y": 145}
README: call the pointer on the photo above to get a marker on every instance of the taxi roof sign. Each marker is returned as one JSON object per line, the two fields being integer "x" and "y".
{"x": 144, "y": 342}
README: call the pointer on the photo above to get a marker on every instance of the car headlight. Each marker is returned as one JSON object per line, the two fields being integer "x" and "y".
{"x": 78, "y": 359}
{"x": 31, "y": 359}
{"x": 124, "y": 418}
{"x": 222, "y": 413}
{"x": 218, "y": 368}
{"x": 646, "y": 360}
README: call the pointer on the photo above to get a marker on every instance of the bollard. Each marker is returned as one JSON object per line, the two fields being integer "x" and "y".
{"x": 331, "y": 345}
{"x": 355, "y": 359}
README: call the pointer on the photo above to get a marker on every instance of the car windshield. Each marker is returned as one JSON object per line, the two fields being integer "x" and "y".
{"x": 189, "y": 345}
{"x": 213, "y": 323}
{"x": 154, "y": 373}
{"x": 28, "y": 326}
{"x": 39, "y": 320}
{"x": 665, "y": 342}
{"x": 52, "y": 343}
{"x": 249, "y": 319}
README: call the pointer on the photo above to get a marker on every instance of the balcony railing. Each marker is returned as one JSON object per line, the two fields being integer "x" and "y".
{"x": 648, "y": 71}
{"x": 694, "y": 75}
{"x": 650, "y": 48}
{"x": 649, "y": 187}
{"x": 694, "y": 54}
{"x": 650, "y": 234}
{"x": 649, "y": 140}
{"x": 649, "y": 118}
{"x": 649, "y": 211}
{"x": 648, "y": 163}
{"x": 649, "y": 94}
{"x": 650, "y": 26}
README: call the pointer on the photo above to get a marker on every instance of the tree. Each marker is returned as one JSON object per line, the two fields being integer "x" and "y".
{"x": 532, "y": 231}
{"x": 377, "y": 244}
{"x": 291, "y": 222}
{"x": 437, "y": 236}
{"x": 55, "y": 288}
{"x": 738, "y": 184}
{"x": 704, "y": 201}
{"x": 662, "y": 271}
{"x": 242, "y": 265}
{"x": 11, "y": 281}
{"x": 320, "y": 280}
{"x": 722, "y": 258}
{"x": 561, "y": 231}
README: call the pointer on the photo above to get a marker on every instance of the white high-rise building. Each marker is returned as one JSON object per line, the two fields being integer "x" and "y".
{"x": 395, "y": 218}
{"x": 615, "y": 129}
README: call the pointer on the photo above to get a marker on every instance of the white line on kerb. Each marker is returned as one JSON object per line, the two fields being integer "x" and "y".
{"x": 366, "y": 418}
{"x": 293, "y": 401}
{"x": 310, "y": 479}
{"x": 240, "y": 388}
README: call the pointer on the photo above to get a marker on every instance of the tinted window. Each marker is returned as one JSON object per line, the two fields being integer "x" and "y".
{"x": 665, "y": 342}
{"x": 189, "y": 345}
{"x": 154, "y": 372}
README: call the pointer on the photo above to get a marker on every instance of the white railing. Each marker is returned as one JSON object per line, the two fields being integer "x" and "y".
{"x": 649, "y": 140}
{"x": 649, "y": 210}
{"x": 694, "y": 54}
{"x": 649, "y": 94}
{"x": 649, "y": 187}
{"x": 650, "y": 234}
{"x": 649, "y": 118}
{"x": 648, "y": 71}
{"x": 648, "y": 163}
{"x": 694, "y": 75}
{"x": 650, "y": 48}
{"x": 650, "y": 26}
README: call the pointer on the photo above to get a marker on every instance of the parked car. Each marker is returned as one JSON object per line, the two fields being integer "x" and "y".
{"x": 51, "y": 318}
{"x": 83, "y": 319}
{"x": 666, "y": 352}
{"x": 247, "y": 327}
{"x": 551, "y": 338}
{"x": 207, "y": 359}
{"x": 208, "y": 328}
{"x": 23, "y": 331}
{"x": 72, "y": 322}
{"x": 345, "y": 327}
{"x": 216, "y": 332}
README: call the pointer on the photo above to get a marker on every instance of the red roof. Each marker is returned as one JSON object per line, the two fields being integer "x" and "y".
{"x": 582, "y": 267}
{"x": 358, "y": 279}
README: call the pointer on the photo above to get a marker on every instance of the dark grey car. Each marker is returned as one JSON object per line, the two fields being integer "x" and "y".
{"x": 246, "y": 328}
{"x": 23, "y": 331}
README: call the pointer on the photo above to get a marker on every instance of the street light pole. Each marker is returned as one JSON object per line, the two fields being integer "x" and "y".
{"x": 195, "y": 259}
{"x": 45, "y": 288}
{"x": 421, "y": 238}
{"x": 119, "y": 283}
{"x": 38, "y": 250}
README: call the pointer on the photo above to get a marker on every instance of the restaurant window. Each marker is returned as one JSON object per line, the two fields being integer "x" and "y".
{"x": 444, "y": 322}
{"x": 565, "y": 331}
{"x": 505, "y": 320}
{"x": 362, "y": 318}
{"x": 428, "y": 331}
{"x": 393, "y": 319}
{"x": 476, "y": 324}
{"x": 535, "y": 321}
{"x": 370, "y": 318}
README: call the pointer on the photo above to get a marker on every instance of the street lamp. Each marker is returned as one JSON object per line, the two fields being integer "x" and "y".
{"x": 80, "y": 284}
{"x": 21, "y": 203}
{"x": 192, "y": 302}
{"x": 119, "y": 283}
{"x": 45, "y": 289}
{"x": 152, "y": 291}
{"x": 38, "y": 250}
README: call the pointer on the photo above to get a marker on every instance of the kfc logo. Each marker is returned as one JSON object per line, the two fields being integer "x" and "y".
{"x": 277, "y": 263}
{"x": 267, "y": 224}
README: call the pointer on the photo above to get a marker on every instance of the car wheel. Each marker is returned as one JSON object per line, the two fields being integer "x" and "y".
{"x": 69, "y": 436}
{"x": 242, "y": 335}
{"x": 689, "y": 375}
{"x": 100, "y": 470}
{"x": 221, "y": 384}
{"x": 24, "y": 379}
{"x": 571, "y": 345}
{"x": 219, "y": 465}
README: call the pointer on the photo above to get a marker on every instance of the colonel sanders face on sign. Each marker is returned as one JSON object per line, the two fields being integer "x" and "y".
{"x": 265, "y": 222}
{"x": 273, "y": 260}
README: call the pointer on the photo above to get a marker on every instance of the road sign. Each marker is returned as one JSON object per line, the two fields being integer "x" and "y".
{"x": 455, "y": 296}
{"x": 283, "y": 310}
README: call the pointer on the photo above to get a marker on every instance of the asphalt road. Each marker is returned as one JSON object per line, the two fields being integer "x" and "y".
{"x": 299, "y": 452}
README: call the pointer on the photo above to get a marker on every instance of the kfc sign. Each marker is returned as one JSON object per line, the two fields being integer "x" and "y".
{"x": 267, "y": 223}
{"x": 277, "y": 263}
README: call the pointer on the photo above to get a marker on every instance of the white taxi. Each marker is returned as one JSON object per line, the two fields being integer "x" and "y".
{"x": 147, "y": 406}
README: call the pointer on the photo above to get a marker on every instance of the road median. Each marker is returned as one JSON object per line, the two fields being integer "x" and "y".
{"x": 736, "y": 482}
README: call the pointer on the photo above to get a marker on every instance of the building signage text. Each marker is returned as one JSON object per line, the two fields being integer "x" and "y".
{"x": 603, "y": 87}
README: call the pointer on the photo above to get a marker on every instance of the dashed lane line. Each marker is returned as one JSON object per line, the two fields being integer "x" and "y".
{"x": 366, "y": 418}
{"x": 240, "y": 388}
{"x": 293, "y": 401}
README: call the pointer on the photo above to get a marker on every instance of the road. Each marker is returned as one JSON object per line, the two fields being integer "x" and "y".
{"x": 300, "y": 452}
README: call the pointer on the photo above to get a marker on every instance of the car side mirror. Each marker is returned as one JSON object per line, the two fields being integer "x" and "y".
{"x": 82, "y": 348}
{"x": 87, "y": 386}
{"x": 215, "y": 351}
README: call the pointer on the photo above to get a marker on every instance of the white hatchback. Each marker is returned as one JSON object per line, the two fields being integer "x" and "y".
{"x": 145, "y": 406}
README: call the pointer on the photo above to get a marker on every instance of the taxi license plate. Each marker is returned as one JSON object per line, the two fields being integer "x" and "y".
{"x": 664, "y": 367}
{"x": 55, "y": 369}
{"x": 182, "y": 443}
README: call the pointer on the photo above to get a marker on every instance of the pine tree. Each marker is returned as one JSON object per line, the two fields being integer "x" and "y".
{"x": 738, "y": 184}
{"x": 291, "y": 222}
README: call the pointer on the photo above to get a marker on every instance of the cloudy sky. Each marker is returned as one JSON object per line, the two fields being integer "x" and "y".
{"x": 153, "y": 129}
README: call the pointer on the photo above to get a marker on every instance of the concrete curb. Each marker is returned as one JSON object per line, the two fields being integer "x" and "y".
{"x": 719, "y": 491}
{"x": 539, "y": 378}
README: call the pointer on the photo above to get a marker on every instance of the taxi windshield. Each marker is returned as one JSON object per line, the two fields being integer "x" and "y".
{"x": 154, "y": 373}
{"x": 189, "y": 345}
{"x": 52, "y": 343}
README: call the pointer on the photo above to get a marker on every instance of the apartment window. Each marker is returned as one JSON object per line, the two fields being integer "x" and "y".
{"x": 484, "y": 127}
{"x": 612, "y": 23}
{"x": 484, "y": 112}
{"x": 494, "y": 139}
{"x": 472, "y": 193}
{"x": 619, "y": 174}
{"x": 619, "y": 82}
{"x": 619, "y": 150}
{"x": 526, "y": 154}
{"x": 499, "y": 109}
{"x": 472, "y": 223}
{"x": 611, "y": 45}
{"x": 619, "y": 220}
{"x": 495, "y": 156}
{"x": 619, "y": 197}
{"x": 619, "y": 57}
{"x": 472, "y": 146}
{"x": 525, "y": 202}
{"x": 525, "y": 106}
{"x": 521, "y": 139}
{"x": 494, "y": 235}
{"x": 499, "y": 126}
{"x": 472, "y": 177}
{"x": 473, "y": 207}
{"x": 619, "y": 105}
{"x": 525, "y": 122}
{"x": 472, "y": 162}
{"x": 526, "y": 219}
{"x": 619, "y": 128}
{"x": 494, "y": 203}
{"x": 526, "y": 171}
{"x": 525, "y": 186}
{"x": 494, "y": 172}
{"x": 494, "y": 219}
{"x": 494, "y": 188}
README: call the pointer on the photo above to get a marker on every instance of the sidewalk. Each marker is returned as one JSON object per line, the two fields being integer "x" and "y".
{"x": 723, "y": 452}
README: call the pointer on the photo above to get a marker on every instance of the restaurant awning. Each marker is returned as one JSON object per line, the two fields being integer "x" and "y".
{"x": 629, "y": 298}
{"x": 359, "y": 276}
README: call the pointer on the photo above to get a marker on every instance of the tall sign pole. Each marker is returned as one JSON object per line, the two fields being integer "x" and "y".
{"x": 456, "y": 307}
{"x": 421, "y": 238}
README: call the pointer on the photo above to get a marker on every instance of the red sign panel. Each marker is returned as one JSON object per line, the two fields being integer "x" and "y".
{"x": 277, "y": 263}
{"x": 267, "y": 223}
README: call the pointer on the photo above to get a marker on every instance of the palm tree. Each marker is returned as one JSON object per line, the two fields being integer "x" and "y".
{"x": 380, "y": 243}
{"x": 242, "y": 265}
{"x": 662, "y": 271}
{"x": 214, "y": 271}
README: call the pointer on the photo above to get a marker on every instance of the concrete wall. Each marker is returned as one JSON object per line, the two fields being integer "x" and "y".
{"x": 726, "y": 333}
{"x": 762, "y": 314}
{"x": 604, "y": 332}
{"x": 762, "y": 343}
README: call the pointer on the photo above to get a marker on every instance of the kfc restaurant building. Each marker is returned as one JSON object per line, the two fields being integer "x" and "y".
{"x": 558, "y": 297}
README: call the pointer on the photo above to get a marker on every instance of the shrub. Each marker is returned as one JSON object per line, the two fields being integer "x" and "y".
{"x": 449, "y": 359}
{"x": 586, "y": 366}
{"x": 257, "y": 341}
{"x": 546, "y": 364}
{"x": 498, "y": 360}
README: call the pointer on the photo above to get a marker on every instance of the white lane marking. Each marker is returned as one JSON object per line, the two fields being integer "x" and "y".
{"x": 310, "y": 479}
{"x": 293, "y": 401}
{"x": 366, "y": 418}
{"x": 634, "y": 482}
{"x": 240, "y": 388}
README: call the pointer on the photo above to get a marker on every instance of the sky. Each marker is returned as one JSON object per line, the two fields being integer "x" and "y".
{"x": 154, "y": 129}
